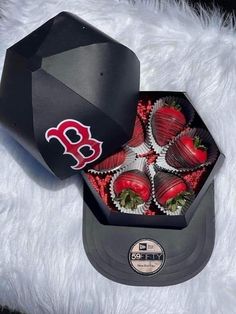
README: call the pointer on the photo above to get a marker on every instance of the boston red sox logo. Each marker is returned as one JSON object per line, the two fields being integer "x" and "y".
{"x": 74, "y": 148}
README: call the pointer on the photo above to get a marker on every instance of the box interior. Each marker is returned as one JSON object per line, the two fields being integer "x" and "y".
{"x": 99, "y": 183}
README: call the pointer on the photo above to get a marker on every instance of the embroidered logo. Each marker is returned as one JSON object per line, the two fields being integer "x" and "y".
{"x": 73, "y": 148}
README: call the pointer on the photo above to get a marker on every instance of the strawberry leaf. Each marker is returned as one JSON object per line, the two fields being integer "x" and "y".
{"x": 198, "y": 143}
{"x": 129, "y": 199}
{"x": 173, "y": 104}
{"x": 179, "y": 200}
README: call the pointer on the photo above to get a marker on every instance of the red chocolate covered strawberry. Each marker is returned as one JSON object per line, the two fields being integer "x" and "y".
{"x": 170, "y": 191}
{"x": 112, "y": 161}
{"x": 167, "y": 122}
{"x": 138, "y": 134}
{"x": 132, "y": 188}
{"x": 187, "y": 152}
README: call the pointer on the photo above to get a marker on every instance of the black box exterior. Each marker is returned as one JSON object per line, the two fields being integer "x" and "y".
{"x": 67, "y": 75}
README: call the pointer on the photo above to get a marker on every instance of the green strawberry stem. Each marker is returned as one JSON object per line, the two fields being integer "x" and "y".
{"x": 178, "y": 201}
{"x": 129, "y": 199}
{"x": 198, "y": 143}
{"x": 173, "y": 104}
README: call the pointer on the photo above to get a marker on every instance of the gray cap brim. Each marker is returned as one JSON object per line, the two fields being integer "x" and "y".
{"x": 187, "y": 251}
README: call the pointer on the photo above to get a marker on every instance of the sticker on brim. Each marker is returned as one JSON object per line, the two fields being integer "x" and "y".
{"x": 146, "y": 257}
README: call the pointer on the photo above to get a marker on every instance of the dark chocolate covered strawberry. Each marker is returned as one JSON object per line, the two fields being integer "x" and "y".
{"x": 167, "y": 122}
{"x": 138, "y": 134}
{"x": 112, "y": 161}
{"x": 132, "y": 188}
{"x": 170, "y": 191}
{"x": 187, "y": 152}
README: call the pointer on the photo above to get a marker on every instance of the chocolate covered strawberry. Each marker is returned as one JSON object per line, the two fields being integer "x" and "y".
{"x": 112, "y": 161}
{"x": 170, "y": 191}
{"x": 187, "y": 152}
{"x": 132, "y": 188}
{"x": 138, "y": 134}
{"x": 167, "y": 122}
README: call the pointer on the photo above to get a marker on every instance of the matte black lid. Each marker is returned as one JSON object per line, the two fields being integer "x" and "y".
{"x": 69, "y": 94}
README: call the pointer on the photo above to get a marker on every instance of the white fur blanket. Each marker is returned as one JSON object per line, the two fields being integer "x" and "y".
{"x": 43, "y": 267}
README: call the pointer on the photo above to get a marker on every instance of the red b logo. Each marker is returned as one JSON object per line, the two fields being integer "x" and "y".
{"x": 74, "y": 148}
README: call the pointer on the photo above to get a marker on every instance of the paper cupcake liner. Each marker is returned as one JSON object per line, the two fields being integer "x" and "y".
{"x": 188, "y": 112}
{"x": 212, "y": 151}
{"x": 130, "y": 157}
{"x": 144, "y": 147}
{"x": 138, "y": 164}
{"x": 182, "y": 209}
{"x": 141, "y": 149}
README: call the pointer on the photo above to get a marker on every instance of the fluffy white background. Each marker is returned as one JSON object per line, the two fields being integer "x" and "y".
{"x": 43, "y": 267}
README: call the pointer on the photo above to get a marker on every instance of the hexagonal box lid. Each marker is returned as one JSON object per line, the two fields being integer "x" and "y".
{"x": 69, "y": 94}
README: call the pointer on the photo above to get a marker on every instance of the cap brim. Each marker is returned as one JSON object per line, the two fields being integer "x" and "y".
{"x": 187, "y": 251}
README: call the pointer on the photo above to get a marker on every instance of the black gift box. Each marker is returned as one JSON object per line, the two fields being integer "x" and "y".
{"x": 68, "y": 70}
{"x": 106, "y": 216}
{"x": 69, "y": 95}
